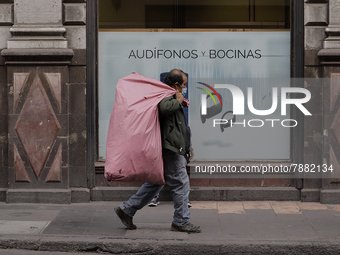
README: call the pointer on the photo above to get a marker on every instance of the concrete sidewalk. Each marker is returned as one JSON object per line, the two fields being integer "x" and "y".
{"x": 227, "y": 228}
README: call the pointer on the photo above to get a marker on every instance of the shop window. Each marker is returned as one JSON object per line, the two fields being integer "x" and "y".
{"x": 257, "y": 14}
{"x": 217, "y": 41}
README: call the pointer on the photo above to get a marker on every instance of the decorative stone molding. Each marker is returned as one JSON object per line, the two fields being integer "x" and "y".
{"x": 330, "y": 54}
{"x": 32, "y": 13}
{"x": 38, "y": 34}
{"x": 55, "y": 172}
{"x": 74, "y": 14}
{"x": 37, "y": 56}
{"x": 38, "y": 127}
{"x": 333, "y": 126}
{"x": 314, "y": 37}
{"x": 316, "y": 14}
{"x": 54, "y": 80}
{"x": 315, "y": 21}
{"x": 19, "y": 82}
{"x": 37, "y": 38}
{"x": 6, "y": 15}
{"x": 19, "y": 168}
{"x": 334, "y": 12}
{"x": 37, "y": 122}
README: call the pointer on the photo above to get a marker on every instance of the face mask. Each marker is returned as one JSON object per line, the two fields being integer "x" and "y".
{"x": 184, "y": 91}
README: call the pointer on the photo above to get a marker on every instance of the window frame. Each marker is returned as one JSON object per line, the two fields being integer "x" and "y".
{"x": 92, "y": 28}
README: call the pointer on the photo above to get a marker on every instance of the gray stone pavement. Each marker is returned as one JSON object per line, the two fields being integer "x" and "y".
{"x": 265, "y": 227}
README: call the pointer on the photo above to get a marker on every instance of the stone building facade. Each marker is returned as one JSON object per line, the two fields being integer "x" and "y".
{"x": 321, "y": 136}
{"x": 43, "y": 118}
{"x": 48, "y": 79}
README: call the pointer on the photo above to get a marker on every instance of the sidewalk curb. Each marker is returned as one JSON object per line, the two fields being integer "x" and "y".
{"x": 114, "y": 245}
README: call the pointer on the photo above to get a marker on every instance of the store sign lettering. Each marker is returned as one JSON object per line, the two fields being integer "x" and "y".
{"x": 194, "y": 54}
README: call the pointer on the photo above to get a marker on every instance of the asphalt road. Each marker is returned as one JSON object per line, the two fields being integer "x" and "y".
{"x": 25, "y": 252}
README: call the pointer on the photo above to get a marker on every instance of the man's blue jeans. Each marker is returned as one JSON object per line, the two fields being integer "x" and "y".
{"x": 177, "y": 180}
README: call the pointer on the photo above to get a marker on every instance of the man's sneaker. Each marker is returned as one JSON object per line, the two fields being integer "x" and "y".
{"x": 154, "y": 201}
{"x": 189, "y": 228}
{"x": 189, "y": 204}
{"x": 126, "y": 219}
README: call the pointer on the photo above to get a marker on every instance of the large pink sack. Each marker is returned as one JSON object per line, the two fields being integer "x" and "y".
{"x": 134, "y": 146}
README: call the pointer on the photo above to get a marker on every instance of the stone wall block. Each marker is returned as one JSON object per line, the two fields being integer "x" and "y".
{"x": 312, "y": 150}
{"x": 77, "y": 74}
{"x": 11, "y": 120}
{"x": 335, "y": 126}
{"x": 328, "y": 71}
{"x": 334, "y": 92}
{"x": 3, "y": 150}
{"x": 329, "y": 196}
{"x": 77, "y": 128}
{"x": 37, "y": 127}
{"x": 77, "y": 103}
{"x": 78, "y": 176}
{"x": 79, "y": 59}
{"x": 63, "y": 121}
{"x": 19, "y": 168}
{"x": 316, "y": 14}
{"x": 312, "y": 72}
{"x": 314, "y": 86}
{"x": 312, "y": 183}
{"x": 334, "y": 12}
{"x": 333, "y": 164}
{"x": 331, "y": 44}
{"x": 77, "y": 140}
{"x": 37, "y": 44}
{"x": 313, "y": 125}
{"x": 331, "y": 123}
{"x": 4, "y": 177}
{"x": 76, "y": 37}
{"x": 3, "y": 92}
{"x": 4, "y": 35}
{"x": 3, "y": 130}
{"x": 35, "y": 107}
{"x": 310, "y": 195}
{"x": 37, "y": 121}
{"x": 54, "y": 82}
{"x": 50, "y": 196}
{"x": 54, "y": 174}
{"x": 80, "y": 195}
{"x": 314, "y": 37}
{"x": 38, "y": 12}
{"x": 74, "y": 14}
{"x": 61, "y": 143}
{"x": 6, "y": 14}
{"x": 311, "y": 58}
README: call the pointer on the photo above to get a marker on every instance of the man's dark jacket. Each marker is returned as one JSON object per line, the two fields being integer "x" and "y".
{"x": 172, "y": 120}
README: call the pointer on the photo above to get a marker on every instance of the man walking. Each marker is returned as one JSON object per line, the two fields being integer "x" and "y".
{"x": 173, "y": 130}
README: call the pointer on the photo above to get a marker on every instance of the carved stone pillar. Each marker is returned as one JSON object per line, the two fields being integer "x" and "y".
{"x": 315, "y": 22}
{"x": 37, "y": 59}
{"x": 6, "y": 21}
{"x": 330, "y": 61}
{"x": 330, "y": 54}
